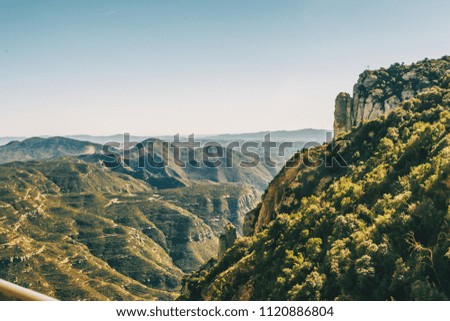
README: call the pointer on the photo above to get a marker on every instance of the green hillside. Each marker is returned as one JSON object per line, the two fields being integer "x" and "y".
{"x": 377, "y": 229}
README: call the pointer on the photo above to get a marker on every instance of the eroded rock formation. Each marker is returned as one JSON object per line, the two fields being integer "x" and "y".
{"x": 227, "y": 239}
{"x": 378, "y": 92}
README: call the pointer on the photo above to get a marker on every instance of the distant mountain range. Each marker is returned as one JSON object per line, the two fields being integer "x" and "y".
{"x": 303, "y": 135}
{"x": 37, "y": 148}
{"x": 171, "y": 175}
{"x": 7, "y": 139}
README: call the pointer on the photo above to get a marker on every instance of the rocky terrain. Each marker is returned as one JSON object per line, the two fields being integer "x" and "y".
{"x": 378, "y": 92}
{"x": 75, "y": 228}
{"x": 79, "y": 231}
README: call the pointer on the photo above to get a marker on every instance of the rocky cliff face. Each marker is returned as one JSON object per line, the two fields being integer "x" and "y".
{"x": 227, "y": 239}
{"x": 342, "y": 113}
{"x": 378, "y": 92}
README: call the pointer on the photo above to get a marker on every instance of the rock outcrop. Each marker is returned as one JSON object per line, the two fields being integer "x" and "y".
{"x": 227, "y": 239}
{"x": 378, "y": 92}
{"x": 342, "y": 112}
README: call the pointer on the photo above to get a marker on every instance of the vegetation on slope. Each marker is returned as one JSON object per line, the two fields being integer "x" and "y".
{"x": 80, "y": 231}
{"x": 377, "y": 229}
{"x": 55, "y": 237}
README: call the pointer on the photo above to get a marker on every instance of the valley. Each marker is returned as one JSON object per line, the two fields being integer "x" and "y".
{"x": 74, "y": 229}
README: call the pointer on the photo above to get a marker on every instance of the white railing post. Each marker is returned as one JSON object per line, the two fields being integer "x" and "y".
{"x": 16, "y": 292}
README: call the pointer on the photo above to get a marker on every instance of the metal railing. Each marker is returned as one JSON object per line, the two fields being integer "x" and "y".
{"x": 11, "y": 291}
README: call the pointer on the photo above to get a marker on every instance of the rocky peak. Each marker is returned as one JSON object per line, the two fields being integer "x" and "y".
{"x": 226, "y": 240}
{"x": 342, "y": 112}
{"x": 378, "y": 92}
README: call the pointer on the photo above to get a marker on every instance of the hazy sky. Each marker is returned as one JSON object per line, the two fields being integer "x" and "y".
{"x": 203, "y": 66}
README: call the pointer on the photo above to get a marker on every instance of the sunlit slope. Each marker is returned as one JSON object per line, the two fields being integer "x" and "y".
{"x": 375, "y": 228}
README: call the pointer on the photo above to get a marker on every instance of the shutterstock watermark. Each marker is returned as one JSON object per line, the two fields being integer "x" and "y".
{"x": 197, "y": 153}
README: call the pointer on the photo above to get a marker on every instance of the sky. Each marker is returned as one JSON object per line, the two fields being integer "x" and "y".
{"x": 161, "y": 67}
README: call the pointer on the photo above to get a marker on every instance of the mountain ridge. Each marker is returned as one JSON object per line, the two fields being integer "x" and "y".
{"x": 376, "y": 228}
{"x": 305, "y": 134}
